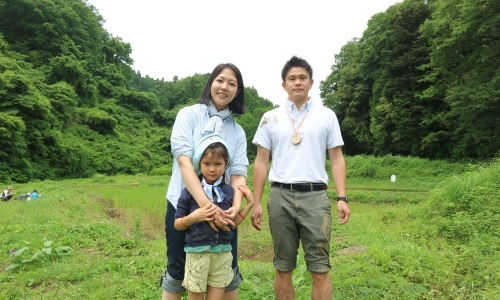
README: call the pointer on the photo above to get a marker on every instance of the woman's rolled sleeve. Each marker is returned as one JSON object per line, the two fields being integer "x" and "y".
{"x": 239, "y": 165}
{"x": 181, "y": 140}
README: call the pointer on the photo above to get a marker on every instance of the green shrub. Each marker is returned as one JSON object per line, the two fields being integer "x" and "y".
{"x": 161, "y": 171}
{"x": 30, "y": 254}
{"x": 407, "y": 168}
{"x": 466, "y": 206}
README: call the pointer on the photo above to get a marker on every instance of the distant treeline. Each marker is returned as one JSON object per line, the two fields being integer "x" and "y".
{"x": 71, "y": 105}
{"x": 422, "y": 81}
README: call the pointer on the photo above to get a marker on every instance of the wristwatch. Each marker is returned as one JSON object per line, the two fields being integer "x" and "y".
{"x": 344, "y": 198}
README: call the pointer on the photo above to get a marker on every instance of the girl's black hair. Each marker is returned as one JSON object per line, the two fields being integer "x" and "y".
{"x": 237, "y": 106}
{"x": 217, "y": 149}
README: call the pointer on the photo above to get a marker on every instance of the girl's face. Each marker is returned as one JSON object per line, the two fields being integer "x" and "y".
{"x": 212, "y": 167}
{"x": 224, "y": 89}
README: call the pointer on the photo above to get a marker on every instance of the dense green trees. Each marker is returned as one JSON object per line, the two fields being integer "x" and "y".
{"x": 71, "y": 105}
{"x": 465, "y": 72}
{"x": 423, "y": 80}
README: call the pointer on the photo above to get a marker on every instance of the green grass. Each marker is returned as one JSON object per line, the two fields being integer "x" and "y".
{"x": 109, "y": 259}
{"x": 102, "y": 238}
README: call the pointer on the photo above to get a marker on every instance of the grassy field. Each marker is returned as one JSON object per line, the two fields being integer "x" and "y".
{"x": 433, "y": 234}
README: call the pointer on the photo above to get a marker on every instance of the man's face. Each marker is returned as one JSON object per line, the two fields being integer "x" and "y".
{"x": 297, "y": 84}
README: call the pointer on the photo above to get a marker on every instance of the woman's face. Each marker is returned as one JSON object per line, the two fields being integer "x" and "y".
{"x": 224, "y": 89}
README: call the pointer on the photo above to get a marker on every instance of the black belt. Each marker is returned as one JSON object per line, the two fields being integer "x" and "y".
{"x": 301, "y": 187}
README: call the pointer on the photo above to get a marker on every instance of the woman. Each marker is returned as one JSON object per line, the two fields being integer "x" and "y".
{"x": 222, "y": 96}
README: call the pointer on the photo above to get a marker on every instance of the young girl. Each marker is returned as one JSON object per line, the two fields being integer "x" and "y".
{"x": 208, "y": 252}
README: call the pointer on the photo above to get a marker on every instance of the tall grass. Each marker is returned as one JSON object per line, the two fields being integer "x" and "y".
{"x": 432, "y": 238}
{"x": 414, "y": 174}
{"x": 107, "y": 261}
{"x": 141, "y": 198}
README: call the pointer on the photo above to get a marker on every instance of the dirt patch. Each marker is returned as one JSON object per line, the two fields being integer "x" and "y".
{"x": 255, "y": 253}
{"x": 267, "y": 256}
{"x": 351, "y": 250}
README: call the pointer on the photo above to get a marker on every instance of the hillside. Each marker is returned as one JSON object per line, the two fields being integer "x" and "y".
{"x": 422, "y": 81}
{"x": 71, "y": 106}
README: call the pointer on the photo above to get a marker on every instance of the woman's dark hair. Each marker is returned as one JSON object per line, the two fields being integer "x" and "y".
{"x": 296, "y": 62}
{"x": 237, "y": 106}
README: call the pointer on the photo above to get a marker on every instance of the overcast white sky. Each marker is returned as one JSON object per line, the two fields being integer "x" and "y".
{"x": 183, "y": 37}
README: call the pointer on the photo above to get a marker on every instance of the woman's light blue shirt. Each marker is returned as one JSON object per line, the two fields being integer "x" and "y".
{"x": 187, "y": 131}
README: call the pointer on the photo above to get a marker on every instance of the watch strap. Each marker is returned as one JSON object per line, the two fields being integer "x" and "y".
{"x": 343, "y": 198}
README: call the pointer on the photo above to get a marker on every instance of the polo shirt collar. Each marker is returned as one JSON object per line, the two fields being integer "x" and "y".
{"x": 290, "y": 106}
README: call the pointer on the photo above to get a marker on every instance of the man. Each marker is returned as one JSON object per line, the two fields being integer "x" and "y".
{"x": 297, "y": 137}
{"x": 7, "y": 194}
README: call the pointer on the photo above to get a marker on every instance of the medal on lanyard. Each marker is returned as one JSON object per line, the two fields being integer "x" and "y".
{"x": 296, "y": 139}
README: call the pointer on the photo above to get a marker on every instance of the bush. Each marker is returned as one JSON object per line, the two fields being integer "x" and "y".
{"x": 161, "y": 171}
{"x": 466, "y": 206}
{"x": 100, "y": 121}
